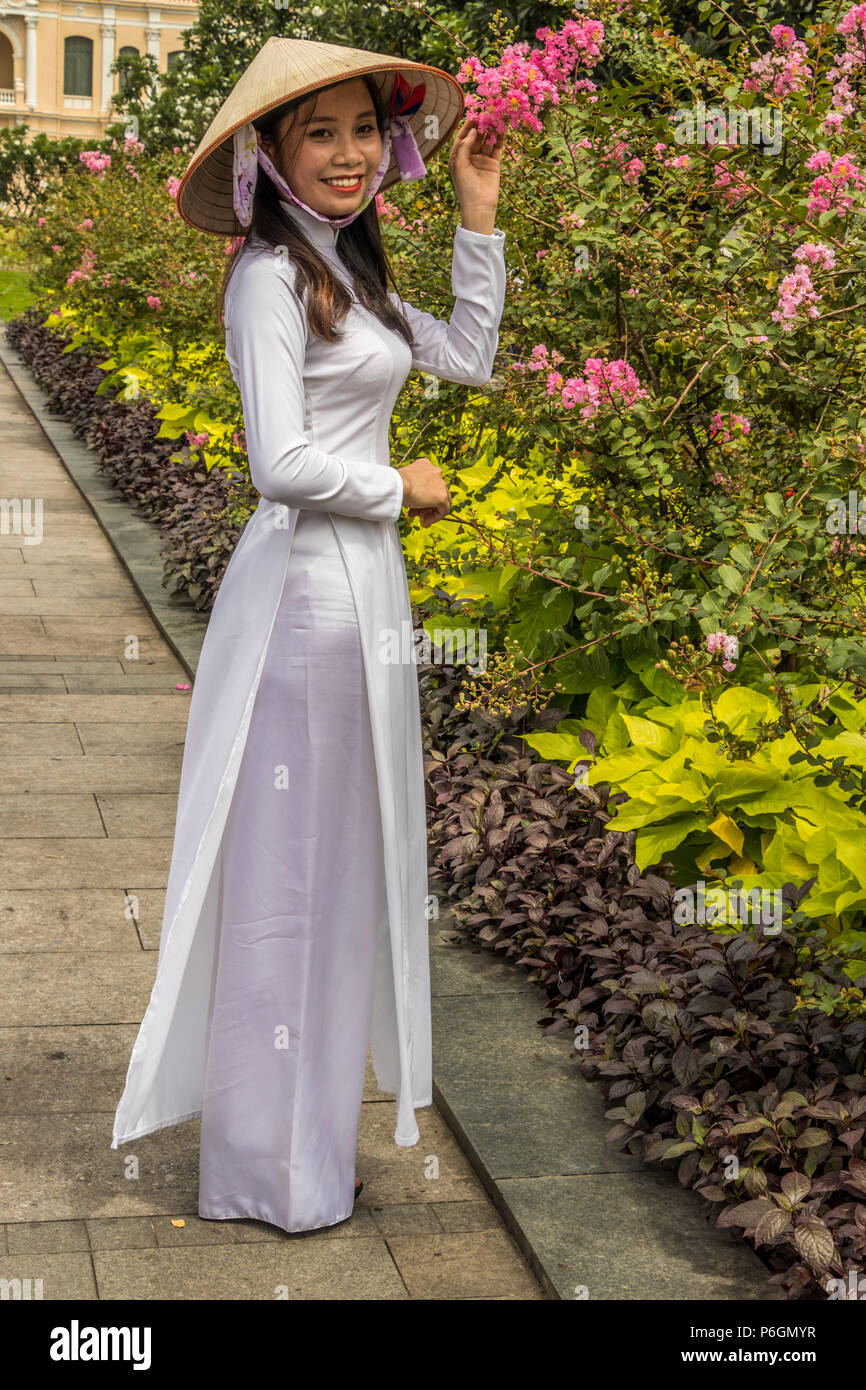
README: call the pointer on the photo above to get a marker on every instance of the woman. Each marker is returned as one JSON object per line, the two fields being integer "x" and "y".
{"x": 295, "y": 928}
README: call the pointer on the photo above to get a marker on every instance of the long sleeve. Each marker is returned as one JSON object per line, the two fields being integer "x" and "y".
{"x": 464, "y": 348}
{"x": 266, "y": 335}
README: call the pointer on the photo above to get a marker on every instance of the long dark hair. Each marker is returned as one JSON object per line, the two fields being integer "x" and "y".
{"x": 359, "y": 245}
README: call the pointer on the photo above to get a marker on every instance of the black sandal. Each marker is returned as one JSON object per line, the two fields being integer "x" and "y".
{"x": 359, "y": 1187}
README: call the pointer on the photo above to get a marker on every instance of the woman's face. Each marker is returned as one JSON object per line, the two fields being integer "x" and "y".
{"x": 340, "y": 140}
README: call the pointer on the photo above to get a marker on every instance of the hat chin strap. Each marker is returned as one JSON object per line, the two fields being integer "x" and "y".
{"x": 249, "y": 157}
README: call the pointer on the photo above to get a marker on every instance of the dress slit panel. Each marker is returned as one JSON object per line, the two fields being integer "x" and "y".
{"x": 303, "y": 905}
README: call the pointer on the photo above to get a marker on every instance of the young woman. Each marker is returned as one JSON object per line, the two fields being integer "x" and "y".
{"x": 295, "y": 928}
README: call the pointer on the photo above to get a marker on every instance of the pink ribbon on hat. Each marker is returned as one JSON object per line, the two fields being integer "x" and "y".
{"x": 249, "y": 157}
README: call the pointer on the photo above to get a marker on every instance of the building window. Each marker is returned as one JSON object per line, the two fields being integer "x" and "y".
{"x": 173, "y": 58}
{"x": 128, "y": 51}
{"x": 78, "y": 67}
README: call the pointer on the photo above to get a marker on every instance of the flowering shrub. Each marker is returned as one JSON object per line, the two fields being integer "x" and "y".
{"x": 676, "y": 416}
{"x": 734, "y": 1059}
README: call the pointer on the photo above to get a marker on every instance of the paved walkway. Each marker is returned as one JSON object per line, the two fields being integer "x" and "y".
{"x": 91, "y": 738}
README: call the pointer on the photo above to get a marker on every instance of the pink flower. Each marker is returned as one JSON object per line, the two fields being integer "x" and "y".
{"x": 94, "y": 162}
{"x": 539, "y": 359}
{"x": 717, "y": 425}
{"x": 797, "y": 294}
{"x": 782, "y": 71}
{"x": 618, "y": 156}
{"x": 730, "y": 184}
{"x": 847, "y": 74}
{"x": 728, "y": 645}
{"x": 392, "y": 213}
{"x": 172, "y": 184}
{"x": 40, "y": 221}
{"x": 86, "y": 225}
{"x": 828, "y": 188}
{"x": 604, "y": 386}
{"x": 514, "y": 92}
{"x": 154, "y": 301}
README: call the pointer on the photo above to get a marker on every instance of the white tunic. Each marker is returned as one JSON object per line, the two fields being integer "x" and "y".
{"x": 316, "y": 417}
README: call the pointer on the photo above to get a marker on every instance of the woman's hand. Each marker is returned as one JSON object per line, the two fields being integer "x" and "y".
{"x": 425, "y": 491}
{"x": 474, "y": 164}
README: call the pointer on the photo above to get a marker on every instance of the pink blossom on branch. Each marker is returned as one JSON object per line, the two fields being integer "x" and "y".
{"x": 717, "y": 425}
{"x": 827, "y": 189}
{"x": 514, "y": 92}
{"x": 94, "y": 162}
{"x": 797, "y": 293}
{"x": 848, "y": 71}
{"x": 725, "y": 643}
{"x": 783, "y": 69}
{"x": 604, "y": 385}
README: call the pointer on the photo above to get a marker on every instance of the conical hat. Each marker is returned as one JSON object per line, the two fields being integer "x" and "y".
{"x": 287, "y": 68}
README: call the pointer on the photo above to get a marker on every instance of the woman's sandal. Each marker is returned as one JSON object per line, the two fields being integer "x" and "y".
{"x": 358, "y": 1188}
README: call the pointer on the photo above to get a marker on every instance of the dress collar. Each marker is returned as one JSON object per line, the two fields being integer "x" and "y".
{"x": 321, "y": 234}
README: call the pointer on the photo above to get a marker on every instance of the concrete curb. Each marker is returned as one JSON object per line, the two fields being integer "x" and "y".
{"x": 591, "y": 1222}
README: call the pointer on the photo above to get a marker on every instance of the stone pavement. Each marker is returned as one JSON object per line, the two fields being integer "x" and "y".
{"x": 91, "y": 736}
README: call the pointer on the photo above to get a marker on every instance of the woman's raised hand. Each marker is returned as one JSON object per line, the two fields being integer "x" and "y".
{"x": 425, "y": 491}
{"x": 474, "y": 164}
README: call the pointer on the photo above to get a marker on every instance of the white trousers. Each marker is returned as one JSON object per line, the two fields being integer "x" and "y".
{"x": 303, "y": 901}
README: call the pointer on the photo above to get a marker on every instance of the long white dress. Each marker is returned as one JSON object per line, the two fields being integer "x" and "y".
{"x": 295, "y": 927}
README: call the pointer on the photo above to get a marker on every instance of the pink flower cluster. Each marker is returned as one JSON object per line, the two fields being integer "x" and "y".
{"x": 728, "y": 646}
{"x": 514, "y": 93}
{"x": 604, "y": 384}
{"x": 540, "y": 360}
{"x": 240, "y": 440}
{"x": 392, "y": 213}
{"x": 730, "y": 184}
{"x": 782, "y": 70}
{"x": 849, "y": 67}
{"x": 85, "y": 225}
{"x": 88, "y": 259}
{"x": 827, "y": 189}
{"x": 154, "y": 301}
{"x": 172, "y": 184}
{"x": 718, "y": 426}
{"x": 132, "y": 145}
{"x": 94, "y": 162}
{"x": 196, "y": 440}
{"x": 131, "y": 169}
{"x": 797, "y": 293}
{"x": 618, "y": 155}
{"x": 843, "y": 545}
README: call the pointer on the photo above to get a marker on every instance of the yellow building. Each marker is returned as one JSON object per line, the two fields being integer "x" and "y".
{"x": 55, "y": 57}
